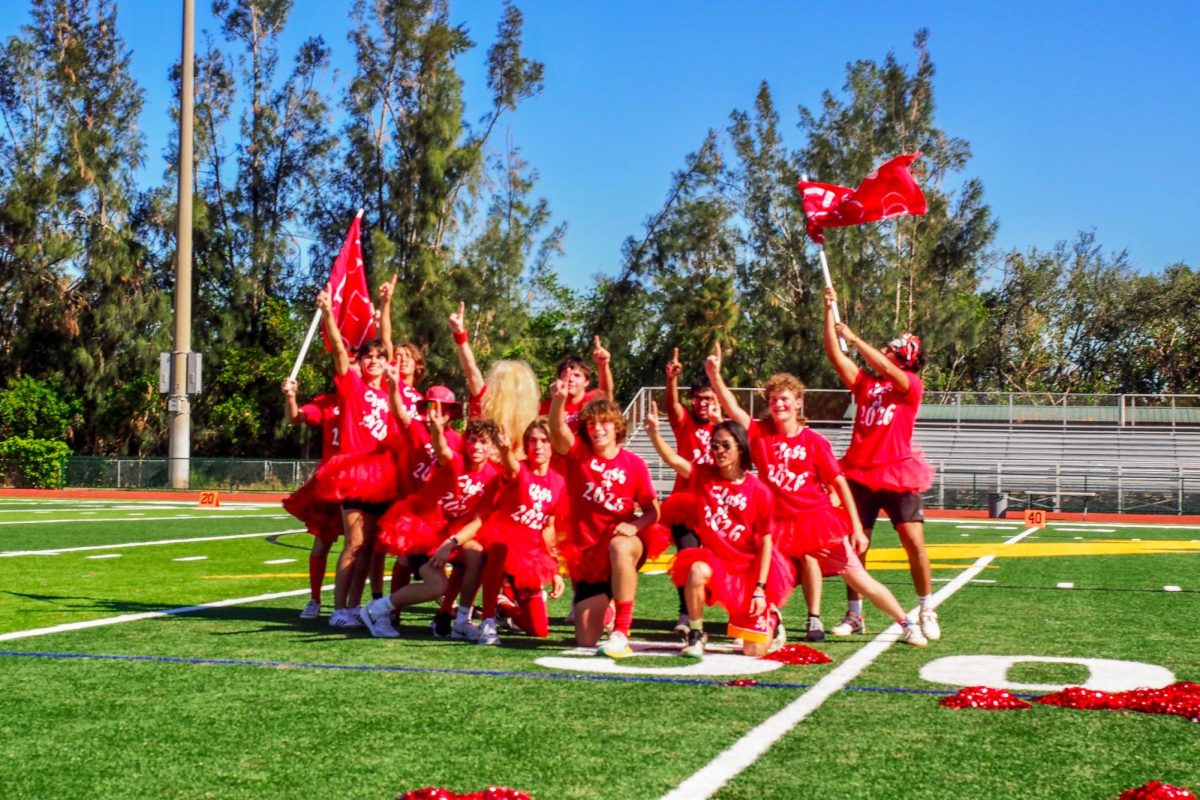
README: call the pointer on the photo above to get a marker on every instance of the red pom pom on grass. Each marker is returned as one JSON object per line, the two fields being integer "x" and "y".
{"x": 742, "y": 682}
{"x": 490, "y": 793}
{"x": 1179, "y": 699}
{"x": 1157, "y": 790}
{"x": 797, "y": 654}
{"x": 984, "y": 697}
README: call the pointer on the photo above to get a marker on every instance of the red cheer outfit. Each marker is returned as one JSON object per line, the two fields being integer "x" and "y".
{"x": 881, "y": 454}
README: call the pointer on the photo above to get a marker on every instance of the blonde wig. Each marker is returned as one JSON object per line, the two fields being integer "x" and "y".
{"x": 512, "y": 397}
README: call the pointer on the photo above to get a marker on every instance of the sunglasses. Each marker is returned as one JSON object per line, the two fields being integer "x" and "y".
{"x": 721, "y": 445}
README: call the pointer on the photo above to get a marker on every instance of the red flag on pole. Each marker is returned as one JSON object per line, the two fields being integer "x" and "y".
{"x": 888, "y": 191}
{"x": 351, "y": 298}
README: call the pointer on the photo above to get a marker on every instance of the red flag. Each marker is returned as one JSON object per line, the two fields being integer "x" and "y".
{"x": 888, "y": 191}
{"x": 351, "y": 299}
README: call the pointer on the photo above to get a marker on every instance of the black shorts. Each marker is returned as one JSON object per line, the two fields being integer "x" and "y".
{"x": 373, "y": 509}
{"x": 415, "y": 563}
{"x": 900, "y": 506}
{"x": 684, "y": 537}
{"x": 585, "y": 590}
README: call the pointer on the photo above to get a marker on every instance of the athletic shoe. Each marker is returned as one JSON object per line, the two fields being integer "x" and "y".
{"x": 617, "y": 646}
{"x": 338, "y": 619}
{"x": 779, "y": 636}
{"x": 682, "y": 627}
{"x": 464, "y": 631}
{"x": 912, "y": 635}
{"x": 695, "y": 644}
{"x": 929, "y": 624}
{"x": 488, "y": 634}
{"x": 352, "y": 618}
{"x": 816, "y": 630}
{"x": 378, "y": 618}
{"x": 442, "y": 621}
{"x": 312, "y": 610}
{"x": 851, "y": 623}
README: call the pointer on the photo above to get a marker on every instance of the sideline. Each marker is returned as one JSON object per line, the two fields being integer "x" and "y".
{"x": 748, "y": 749}
{"x": 90, "y": 520}
{"x": 56, "y": 550}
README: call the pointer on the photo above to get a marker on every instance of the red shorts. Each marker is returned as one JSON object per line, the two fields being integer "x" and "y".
{"x": 839, "y": 559}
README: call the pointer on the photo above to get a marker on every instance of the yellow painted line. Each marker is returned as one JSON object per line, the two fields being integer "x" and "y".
{"x": 895, "y": 557}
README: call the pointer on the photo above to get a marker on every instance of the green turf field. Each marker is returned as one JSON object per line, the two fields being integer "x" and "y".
{"x": 106, "y": 696}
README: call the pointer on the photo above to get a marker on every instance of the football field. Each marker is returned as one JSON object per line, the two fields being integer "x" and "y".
{"x": 153, "y": 649}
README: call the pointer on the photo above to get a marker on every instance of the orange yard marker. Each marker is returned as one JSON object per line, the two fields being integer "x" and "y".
{"x": 210, "y": 500}
{"x": 1035, "y": 518}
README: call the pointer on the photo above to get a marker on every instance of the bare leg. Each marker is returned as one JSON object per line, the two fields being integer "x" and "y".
{"x": 879, "y": 595}
{"x": 912, "y": 536}
{"x": 432, "y": 586}
{"x": 693, "y": 592}
{"x": 811, "y": 584}
{"x": 472, "y": 561}
{"x": 352, "y": 525}
{"x": 589, "y": 620}
{"x": 624, "y": 552}
{"x": 850, "y": 593}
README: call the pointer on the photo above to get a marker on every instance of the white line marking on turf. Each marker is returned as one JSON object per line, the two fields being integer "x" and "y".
{"x": 745, "y": 751}
{"x": 168, "y": 612}
{"x": 1172, "y": 589}
{"x": 1020, "y": 535}
{"x": 136, "y": 519}
{"x": 983, "y": 580}
{"x": 1065, "y": 585}
{"x": 105, "y": 555}
{"x": 281, "y": 561}
{"x": 54, "y": 552}
{"x": 191, "y": 558}
{"x": 1085, "y": 530}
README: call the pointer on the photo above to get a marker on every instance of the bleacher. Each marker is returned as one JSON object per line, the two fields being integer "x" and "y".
{"x": 1097, "y": 452}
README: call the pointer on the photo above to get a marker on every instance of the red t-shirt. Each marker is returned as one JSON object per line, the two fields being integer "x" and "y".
{"x": 413, "y": 402}
{"x": 604, "y": 493}
{"x": 883, "y": 423}
{"x": 735, "y": 516}
{"x": 366, "y": 419}
{"x": 323, "y": 410}
{"x": 692, "y": 440}
{"x": 531, "y": 500}
{"x": 572, "y": 409}
{"x": 797, "y": 468}
{"x": 418, "y": 458}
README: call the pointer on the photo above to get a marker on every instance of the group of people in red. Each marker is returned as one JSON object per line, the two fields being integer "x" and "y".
{"x": 531, "y": 486}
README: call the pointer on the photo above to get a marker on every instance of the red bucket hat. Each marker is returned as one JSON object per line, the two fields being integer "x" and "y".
{"x": 907, "y": 347}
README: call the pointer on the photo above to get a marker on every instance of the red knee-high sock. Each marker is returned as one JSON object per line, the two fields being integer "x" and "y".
{"x": 493, "y": 578}
{"x": 401, "y": 574}
{"x": 624, "y": 620}
{"x": 450, "y": 600}
{"x": 531, "y": 614}
{"x": 316, "y": 575}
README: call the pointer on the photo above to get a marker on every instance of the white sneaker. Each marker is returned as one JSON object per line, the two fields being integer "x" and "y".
{"x": 778, "y": 637}
{"x": 312, "y": 610}
{"x": 929, "y": 624}
{"x": 464, "y": 631}
{"x": 695, "y": 644}
{"x": 912, "y": 634}
{"x": 340, "y": 618}
{"x": 488, "y": 634}
{"x": 682, "y": 627}
{"x": 352, "y": 618}
{"x": 378, "y": 619}
{"x": 617, "y": 646}
{"x": 816, "y": 630}
{"x": 851, "y": 623}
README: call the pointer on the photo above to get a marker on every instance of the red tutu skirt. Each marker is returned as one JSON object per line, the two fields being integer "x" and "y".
{"x": 371, "y": 477}
{"x": 733, "y": 585}
{"x": 592, "y": 564}
{"x": 322, "y": 518}
{"x": 912, "y": 474}
{"x": 681, "y": 508}
{"x": 811, "y": 530}
{"x": 528, "y": 562}
{"x": 404, "y": 533}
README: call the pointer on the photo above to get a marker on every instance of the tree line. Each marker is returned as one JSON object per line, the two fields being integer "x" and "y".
{"x": 282, "y": 162}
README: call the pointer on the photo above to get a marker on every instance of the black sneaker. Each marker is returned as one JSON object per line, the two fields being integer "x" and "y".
{"x": 696, "y": 640}
{"x": 816, "y": 630}
{"x": 442, "y": 623}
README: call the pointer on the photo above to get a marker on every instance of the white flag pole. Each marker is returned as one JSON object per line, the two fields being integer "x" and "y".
{"x": 312, "y": 330}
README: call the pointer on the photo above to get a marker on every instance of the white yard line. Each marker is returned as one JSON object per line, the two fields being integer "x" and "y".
{"x": 745, "y": 751}
{"x": 57, "y": 550}
{"x": 142, "y": 519}
{"x": 99, "y": 623}
{"x": 1021, "y": 535}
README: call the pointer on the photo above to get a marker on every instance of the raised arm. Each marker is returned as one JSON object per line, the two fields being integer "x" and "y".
{"x": 341, "y": 359}
{"x": 603, "y": 361}
{"x": 391, "y": 376}
{"x": 676, "y": 413}
{"x": 437, "y": 433}
{"x": 874, "y": 358}
{"x": 466, "y": 357}
{"x": 291, "y": 410}
{"x": 846, "y": 369}
{"x": 729, "y": 403}
{"x": 386, "y": 290}
{"x": 561, "y": 438}
{"x": 508, "y": 455}
{"x": 675, "y": 461}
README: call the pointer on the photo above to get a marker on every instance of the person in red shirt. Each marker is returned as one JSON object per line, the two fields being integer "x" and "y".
{"x": 886, "y": 472}
{"x": 608, "y": 486}
{"x": 799, "y": 466}
{"x": 575, "y": 376}
{"x": 692, "y": 426}
{"x": 518, "y": 535}
{"x": 322, "y": 411}
{"x": 736, "y": 564}
{"x": 428, "y": 527}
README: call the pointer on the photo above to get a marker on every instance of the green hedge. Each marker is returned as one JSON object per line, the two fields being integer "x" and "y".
{"x": 33, "y": 463}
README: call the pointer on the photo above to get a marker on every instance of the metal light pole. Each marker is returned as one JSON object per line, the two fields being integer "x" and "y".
{"x": 178, "y": 405}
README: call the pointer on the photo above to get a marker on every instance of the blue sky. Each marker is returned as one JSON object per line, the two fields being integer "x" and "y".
{"x": 1079, "y": 115}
